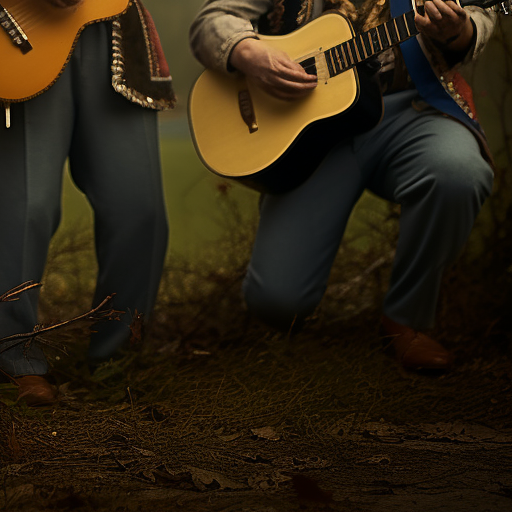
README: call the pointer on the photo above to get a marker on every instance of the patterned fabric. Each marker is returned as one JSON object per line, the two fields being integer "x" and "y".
{"x": 362, "y": 14}
{"x": 139, "y": 70}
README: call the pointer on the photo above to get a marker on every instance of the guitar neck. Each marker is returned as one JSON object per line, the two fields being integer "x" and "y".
{"x": 363, "y": 46}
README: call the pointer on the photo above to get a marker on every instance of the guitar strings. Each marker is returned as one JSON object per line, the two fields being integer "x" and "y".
{"x": 29, "y": 14}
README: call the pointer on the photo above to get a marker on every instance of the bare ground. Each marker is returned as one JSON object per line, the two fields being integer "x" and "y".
{"x": 213, "y": 412}
{"x": 241, "y": 419}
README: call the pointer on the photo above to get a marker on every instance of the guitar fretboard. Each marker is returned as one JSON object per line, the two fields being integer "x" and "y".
{"x": 346, "y": 55}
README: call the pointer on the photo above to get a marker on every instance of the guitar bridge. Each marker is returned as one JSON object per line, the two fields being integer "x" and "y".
{"x": 14, "y": 31}
{"x": 247, "y": 110}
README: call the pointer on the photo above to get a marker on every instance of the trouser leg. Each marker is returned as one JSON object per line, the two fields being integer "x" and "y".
{"x": 33, "y": 152}
{"x": 432, "y": 166}
{"x": 115, "y": 161}
{"x": 298, "y": 237}
{"x": 429, "y": 164}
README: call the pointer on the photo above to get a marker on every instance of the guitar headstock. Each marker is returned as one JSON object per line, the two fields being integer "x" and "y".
{"x": 502, "y": 6}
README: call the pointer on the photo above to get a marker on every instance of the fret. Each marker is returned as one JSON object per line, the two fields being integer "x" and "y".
{"x": 409, "y": 22}
{"x": 359, "y": 48}
{"x": 353, "y": 49}
{"x": 339, "y": 54}
{"x": 363, "y": 45}
{"x": 350, "y": 54}
{"x": 401, "y": 28}
{"x": 330, "y": 65}
{"x": 406, "y": 25}
{"x": 336, "y": 60}
{"x": 388, "y": 37}
{"x": 381, "y": 46}
{"x": 345, "y": 56}
{"x": 393, "y": 33}
{"x": 397, "y": 32}
{"x": 370, "y": 39}
{"x": 368, "y": 46}
{"x": 385, "y": 36}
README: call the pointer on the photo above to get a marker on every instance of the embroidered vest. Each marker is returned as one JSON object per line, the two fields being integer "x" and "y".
{"x": 139, "y": 70}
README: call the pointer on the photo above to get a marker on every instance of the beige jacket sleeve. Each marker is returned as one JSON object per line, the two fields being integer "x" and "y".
{"x": 444, "y": 62}
{"x": 485, "y": 22}
{"x": 220, "y": 25}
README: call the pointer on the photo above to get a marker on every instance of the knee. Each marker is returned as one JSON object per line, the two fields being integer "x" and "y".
{"x": 278, "y": 305}
{"x": 451, "y": 181}
{"x": 462, "y": 179}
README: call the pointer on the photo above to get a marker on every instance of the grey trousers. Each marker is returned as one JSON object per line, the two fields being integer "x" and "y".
{"x": 114, "y": 159}
{"x": 430, "y": 164}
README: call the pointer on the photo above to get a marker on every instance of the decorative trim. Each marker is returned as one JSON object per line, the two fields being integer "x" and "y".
{"x": 119, "y": 75}
{"x": 153, "y": 66}
{"x": 451, "y": 88}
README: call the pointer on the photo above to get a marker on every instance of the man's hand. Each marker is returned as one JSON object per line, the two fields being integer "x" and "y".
{"x": 272, "y": 70}
{"x": 446, "y": 23}
{"x": 63, "y": 3}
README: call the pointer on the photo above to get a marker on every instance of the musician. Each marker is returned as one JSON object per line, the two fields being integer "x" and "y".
{"x": 431, "y": 162}
{"x": 101, "y": 113}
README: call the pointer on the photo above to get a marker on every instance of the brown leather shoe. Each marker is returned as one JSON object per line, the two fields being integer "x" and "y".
{"x": 35, "y": 390}
{"x": 413, "y": 349}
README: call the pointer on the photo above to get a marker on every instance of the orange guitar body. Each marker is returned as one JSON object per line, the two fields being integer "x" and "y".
{"x": 51, "y": 33}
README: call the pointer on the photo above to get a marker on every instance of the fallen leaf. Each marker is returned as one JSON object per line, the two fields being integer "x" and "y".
{"x": 266, "y": 433}
{"x": 203, "y": 479}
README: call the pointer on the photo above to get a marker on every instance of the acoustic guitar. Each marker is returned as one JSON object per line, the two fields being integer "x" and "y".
{"x": 242, "y": 133}
{"x": 37, "y": 40}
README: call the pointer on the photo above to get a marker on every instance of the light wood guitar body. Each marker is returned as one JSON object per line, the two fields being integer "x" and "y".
{"x": 243, "y": 133}
{"x": 51, "y": 33}
{"x": 277, "y": 153}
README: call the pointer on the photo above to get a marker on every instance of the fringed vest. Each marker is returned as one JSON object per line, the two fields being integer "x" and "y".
{"x": 139, "y": 70}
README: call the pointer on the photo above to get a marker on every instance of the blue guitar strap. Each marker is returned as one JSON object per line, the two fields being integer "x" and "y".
{"x": 426, "y": 81}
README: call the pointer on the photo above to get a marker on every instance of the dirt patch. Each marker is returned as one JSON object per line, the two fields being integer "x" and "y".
{"x": 321, "y": 421}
